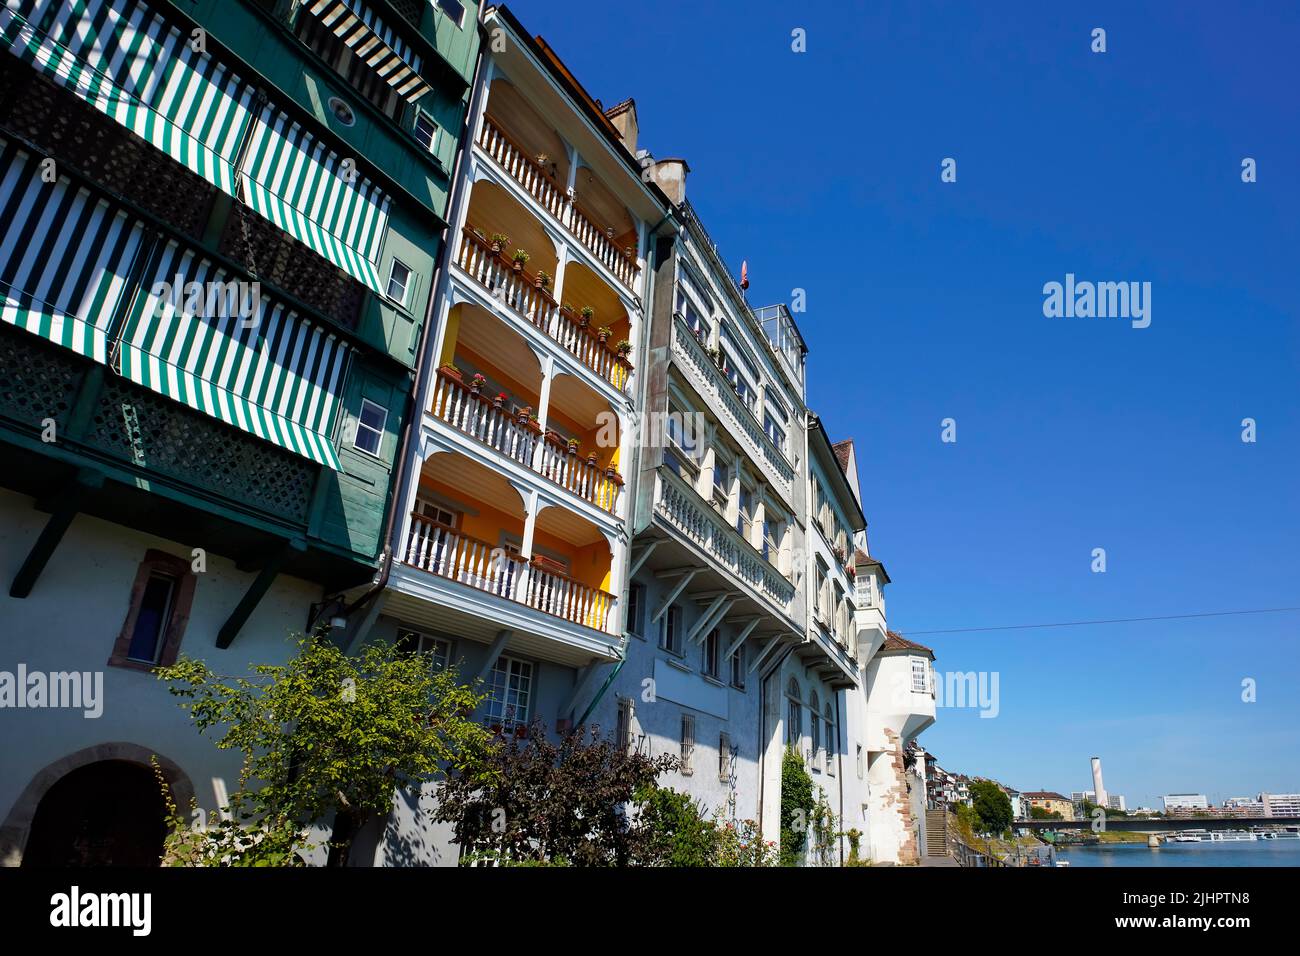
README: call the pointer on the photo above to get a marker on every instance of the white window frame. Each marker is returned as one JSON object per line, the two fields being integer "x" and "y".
{"x": 362, "y": 426}
{"x": 438, "y": 647}
{"x": 672, "y": 622}
{"x": 407, "y": 285}
{"x": 506, "y": 665}
{"x": 688, "y": 744}
{"x": 432, "y": 145}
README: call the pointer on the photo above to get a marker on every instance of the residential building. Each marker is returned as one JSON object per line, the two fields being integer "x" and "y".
{"x": 1185, "y": 801}
{"x": 514, "y": 516}
{"x": 1050, "y": 801}
{"x": 1114, "y": 801}
{"x": 222, "y": 218}
{"x": 1280, "y": 804}
{"x": 1244, "y": 807}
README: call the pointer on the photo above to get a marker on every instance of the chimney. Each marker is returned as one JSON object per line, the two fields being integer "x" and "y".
{"x": 670, "y": 175}
{"x": 1098, "y": 791}
{"x": 623, "y": 116}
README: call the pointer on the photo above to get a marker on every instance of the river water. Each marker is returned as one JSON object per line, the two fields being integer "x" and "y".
{"x": 1252, "y": 853}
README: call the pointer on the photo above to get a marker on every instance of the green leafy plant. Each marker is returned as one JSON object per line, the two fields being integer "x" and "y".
{"x": 327, "y": 736}
{"x": 992, "y": 806}
{"x": 739, "y": 844}
{"x": 677, "y": 833}
{"x": 797, "y": 805}
{"x": 499, "y": 241}
{"x": 587, "y": 312}
{"x": 623, "y": 347}
{"x": 520, "y": 257}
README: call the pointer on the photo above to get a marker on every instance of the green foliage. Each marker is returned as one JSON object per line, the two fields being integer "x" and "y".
{"x": 739, "y": 845}
{"x": 1041, "y": 813}
{"x": 797, "y": 805}
{"x": 538, "y": 800}
{"x": 854, "y": 836}
{"x": 968, "y": 820}
{"x": 326, "y": 734}
{"x": 825, "y": 830}
{"x": 677, "y": 831}
{"x": 992, "y": 806}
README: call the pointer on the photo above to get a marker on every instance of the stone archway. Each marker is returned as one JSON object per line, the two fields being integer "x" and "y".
{"x": 101, "y": 800}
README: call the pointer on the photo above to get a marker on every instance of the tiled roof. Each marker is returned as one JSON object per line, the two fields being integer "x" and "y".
{"x": 1044, "y": 795}
{"x": 842, "y": 450}
{"x": 897, "y": 642}
{"x": 863, "y": 560}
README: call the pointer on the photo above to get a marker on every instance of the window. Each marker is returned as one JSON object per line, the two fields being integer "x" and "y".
{"x": 774, "y": 431}
{"x": 454, "y": 9}
{"x": 773, "y": 535}
{"x": 425, "y": 131}
{"x": 920, "y": 675}
{"x": 623, "y": 725}
{"x": 435, "y": 512}
{"x": 670, "y": 634}
{"x": 738, "y": 668}
{"x": 688, "y": 744}
{"x": 711, "y": 653}
{"x": 635, "y": 599}
{"x": 399, "y": 279}
{"x": 858, "y": 761}
{"x": 157, "y": 614}
{"x": 370, "y": 427}
{"x": 509, "y": 693}
{"x": 689, "y": 304}
{"x": 832, "y": 743}
{"x": 745, "y": 514}
{"x": 724, "y": 757}
{"x": 413, "y": 642}
{"x": 721, "y": 480}
{"x": 815, "y": 718}
{"x": 794, "y": 716}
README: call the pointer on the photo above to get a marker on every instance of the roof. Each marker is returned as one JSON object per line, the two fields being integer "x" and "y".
{"x": 897, "y": 642}
{"x": 843, "y": 449}
{"x": 1045, "y": 795}
{"x": 862, "y": 559}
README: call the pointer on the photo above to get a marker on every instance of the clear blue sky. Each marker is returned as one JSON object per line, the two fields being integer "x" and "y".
{"x": 925, "y": 302}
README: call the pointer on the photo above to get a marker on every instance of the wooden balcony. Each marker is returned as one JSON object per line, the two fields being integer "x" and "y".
{"x": 515, "y": 436}
{"x": 521, "y": 291}
{"x": 448, "y": 553}
{"x": 539, "y": 183}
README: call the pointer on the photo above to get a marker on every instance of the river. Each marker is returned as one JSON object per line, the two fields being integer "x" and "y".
{"x": 1252, "y": 853}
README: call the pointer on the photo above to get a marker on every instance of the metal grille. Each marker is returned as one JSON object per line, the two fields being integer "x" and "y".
{"x": 37, "y": 381}
{"x": 152, "y": 432}
{"x": 74, "y": 134}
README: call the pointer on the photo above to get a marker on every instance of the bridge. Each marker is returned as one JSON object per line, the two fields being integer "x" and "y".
{"x": 1161, "y": 824}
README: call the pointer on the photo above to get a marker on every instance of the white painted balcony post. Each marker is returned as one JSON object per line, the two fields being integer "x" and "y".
{"x": 561, "y": 266}
{"x": 543, "y": 410}
{"x": 526, "y": 549}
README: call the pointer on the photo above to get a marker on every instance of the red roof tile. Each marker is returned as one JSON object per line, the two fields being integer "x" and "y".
{"x": 897, "y": 642}
{"x": 842, "y": 450}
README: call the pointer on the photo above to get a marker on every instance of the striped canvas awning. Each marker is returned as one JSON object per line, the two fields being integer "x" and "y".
{"x": 236, "y": 356}
{"x": 131, "y": 66}
{"x": 298, "y": 183}
{"x": 358, "y": 26}
{"x": 65, "y": 256}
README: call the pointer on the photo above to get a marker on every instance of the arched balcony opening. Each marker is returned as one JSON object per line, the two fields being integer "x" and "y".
{"x": 598, "y": 320}
{"x": 494, "y": 212}
{"x": 604, "y": 225}
{"x": 467, "y": 526}
{"x": 520, "y": 140}
{"x": 581, "y": 445}
{"x": 571, "y": 569}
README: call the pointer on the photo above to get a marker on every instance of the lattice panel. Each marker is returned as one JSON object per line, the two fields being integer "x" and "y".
{"x": 74, "y": 133}
{"x": 276, "y": 257}
{"x": 37, "y": 380}
{"x": 157, "y": 434}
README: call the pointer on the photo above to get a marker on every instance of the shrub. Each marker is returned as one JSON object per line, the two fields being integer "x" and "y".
{"x": 797, "y": 805}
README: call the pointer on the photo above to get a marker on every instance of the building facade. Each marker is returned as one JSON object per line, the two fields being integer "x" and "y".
{"x": 221, "y": 220}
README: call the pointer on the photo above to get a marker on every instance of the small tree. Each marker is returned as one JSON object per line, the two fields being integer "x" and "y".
{"x": 677, "y": 832}
{"x": 537, "y": 800}
{"x": 797, "y": 805}
{"x": 992, "y": 806}
{"x": 326, "y": 734}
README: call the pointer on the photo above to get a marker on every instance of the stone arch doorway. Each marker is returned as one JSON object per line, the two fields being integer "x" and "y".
{"x": 97, "y": 807}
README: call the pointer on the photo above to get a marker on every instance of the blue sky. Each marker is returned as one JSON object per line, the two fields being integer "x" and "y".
{"x": 925, "y": 302}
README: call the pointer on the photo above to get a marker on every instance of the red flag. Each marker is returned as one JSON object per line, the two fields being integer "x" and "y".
{"x": 744, "y": 274}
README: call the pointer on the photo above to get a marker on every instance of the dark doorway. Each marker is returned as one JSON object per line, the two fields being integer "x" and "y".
{"x": 109, "y": 813}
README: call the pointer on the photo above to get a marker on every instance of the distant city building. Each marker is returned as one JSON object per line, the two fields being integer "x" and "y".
{"x": 1051, "y": 801}
{"x": 1114, "y": 801}
{"x": 1185, "y": 801}
{"x": 1280, "y": 804}
{"x": 1243, "y": 807}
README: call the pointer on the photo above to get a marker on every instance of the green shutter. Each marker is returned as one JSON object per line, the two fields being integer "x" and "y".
{"x": 294, "y": 180}
{"x": 265, "y": 370}
{"x": 133, "y": 67}
{"x": 65, "y": 256}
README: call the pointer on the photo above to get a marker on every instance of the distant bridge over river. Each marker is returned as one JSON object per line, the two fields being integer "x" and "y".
{"x": 1162, "y": 824}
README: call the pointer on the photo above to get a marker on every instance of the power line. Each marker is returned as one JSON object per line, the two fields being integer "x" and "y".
{"x": 1117, "y": 620}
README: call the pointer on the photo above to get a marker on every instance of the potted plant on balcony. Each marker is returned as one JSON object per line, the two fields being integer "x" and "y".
{"x": 586, "y": 312}
{"x": 477, "y": 382}
{"x": 500, "y": 400}
{"x": 519, "y": 258}
{"x": 451, "y": 371}
{"x": 591, "y": 459}
{"x": 543, "y": 279}
{"x": 623, "y": 348}
{"x": 524, "y": 414}
{"x": 574, "y": 445}
{"x": 603, "y": 333}
{"x": 499, "y": 241}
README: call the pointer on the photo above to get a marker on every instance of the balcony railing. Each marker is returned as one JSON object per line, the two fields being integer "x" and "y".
{"x": 696, "y": 519}
{"x": 469, "y": 411}
{"x": 716, "y": 385}
{"x": 444, "y": 551}
{"x": 539, "y": 184}
{"x": 519, "y": 289}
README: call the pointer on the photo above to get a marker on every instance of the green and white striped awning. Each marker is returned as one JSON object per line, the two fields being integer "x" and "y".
{"x": 219, "y": 347}
{"x": 130, "y": 65}
{"x": 65, "y": 256}
{"x": 366, "y": 35}
{"x": 297, "y": 182}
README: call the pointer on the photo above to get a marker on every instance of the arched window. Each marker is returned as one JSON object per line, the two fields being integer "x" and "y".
{"x": 816, "y": 724}
{"x": 794, "y": 719}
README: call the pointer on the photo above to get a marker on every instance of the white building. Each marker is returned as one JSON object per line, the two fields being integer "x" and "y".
{"x": 1280, "y": 804}
{"x": 1185, "y": 801}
